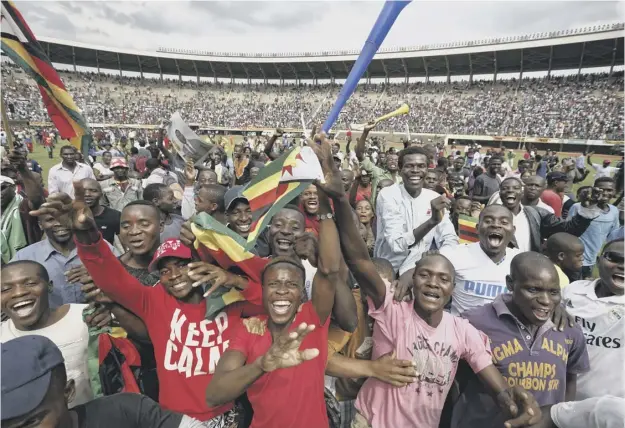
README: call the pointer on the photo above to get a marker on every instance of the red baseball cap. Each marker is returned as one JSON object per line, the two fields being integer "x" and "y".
{"x": 172, "y": 247}
{"x": 119, "y": 163}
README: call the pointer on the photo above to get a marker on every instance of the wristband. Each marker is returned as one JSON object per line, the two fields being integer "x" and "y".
{"x": 327, "y": 216}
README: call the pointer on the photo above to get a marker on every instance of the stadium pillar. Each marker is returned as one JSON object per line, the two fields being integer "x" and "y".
{"x": 581, "y": 61}
{"x": 448, "y": 70}
{"x": 550, "y": 59}
{"x": 178, "y": 68}
{"x": 197, "y": 74}
{"x": 495, "y": 64}
{"x": 386, "y": 79}
{"x": 160, "y": 69}
{"x": 97, "y": 60}
{"x": 213, "y": 70}
{"x": 427, "y": 72}
{"x": 262, "y": 71}
{"x": 119, "y": 63}
{"x": 521, "y": 72}
{"x": 74, "y": 58}
{"x": 403, "y": 61}
{"x": 140, "y": 66}
{"x": 470, "y": 70}
{"x": 279, "y": 73}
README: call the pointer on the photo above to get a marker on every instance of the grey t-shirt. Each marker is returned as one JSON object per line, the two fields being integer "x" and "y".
{"x": 485, "y": 185}
{"x": 172, "y": 230}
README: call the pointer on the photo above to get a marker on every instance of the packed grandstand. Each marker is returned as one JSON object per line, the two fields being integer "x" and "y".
{"x": 578, "y": 106}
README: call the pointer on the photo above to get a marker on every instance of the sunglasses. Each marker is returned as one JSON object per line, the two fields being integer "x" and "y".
{"x": 613, "y": 257}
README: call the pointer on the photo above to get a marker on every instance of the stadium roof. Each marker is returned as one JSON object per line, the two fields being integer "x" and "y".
{"x": 599, "y": 46}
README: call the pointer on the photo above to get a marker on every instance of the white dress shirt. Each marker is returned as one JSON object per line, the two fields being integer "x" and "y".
{"x": 61, "y": 179}
{"x": 398, "y": 214}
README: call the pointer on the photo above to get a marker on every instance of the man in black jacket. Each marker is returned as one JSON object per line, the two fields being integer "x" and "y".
{"x": 534, "y": 224}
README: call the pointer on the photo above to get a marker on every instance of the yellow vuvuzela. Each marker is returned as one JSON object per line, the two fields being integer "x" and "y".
{"x": 404, "y": 109}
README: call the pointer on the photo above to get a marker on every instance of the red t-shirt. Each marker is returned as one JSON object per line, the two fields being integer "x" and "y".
{"x": 554, "y": 200}
{"x": 363, "y": 193}
{"x": 187, "y": 347}
{"x": 293, "y": 397}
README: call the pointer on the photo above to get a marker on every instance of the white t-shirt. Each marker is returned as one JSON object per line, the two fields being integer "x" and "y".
{"x": 603, "y": 323}
{"x": 103, "y": 169}
{"x": 71, "y": 335}
{"x": 522, "y": 233}
{"x": 478, "y": 279}
{"x": 310, "y": 274}
{"x": 603, "y": 171}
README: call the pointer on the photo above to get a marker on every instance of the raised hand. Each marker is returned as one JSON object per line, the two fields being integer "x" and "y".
{"x": 17, "y": 160}
{"x": 64, "y": 209}
{"x": 206, "y": 273}
{"x": 370, "y": 125}
{"x": 186, "y": 234}
{"x": 306, "y": 248}
{"x": 333, "y": 186}
{"x": 439, "y": 205}
{"x": 189, "y": 173}
{"x": 285, "y": 352}
{"x": 93, "y": 293}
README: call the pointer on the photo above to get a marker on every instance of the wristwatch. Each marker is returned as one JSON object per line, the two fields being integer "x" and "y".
{"x": 327, "y": 216}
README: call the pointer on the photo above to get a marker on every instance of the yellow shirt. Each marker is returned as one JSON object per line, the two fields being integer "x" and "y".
{"x": 564, "y": 280}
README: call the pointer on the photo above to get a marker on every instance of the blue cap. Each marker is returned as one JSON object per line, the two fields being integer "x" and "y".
{"x": 27, "y": 364}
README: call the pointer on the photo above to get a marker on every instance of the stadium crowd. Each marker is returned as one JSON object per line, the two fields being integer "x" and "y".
{"x": 563, "y": 107}
{"x": 432, "y": 286}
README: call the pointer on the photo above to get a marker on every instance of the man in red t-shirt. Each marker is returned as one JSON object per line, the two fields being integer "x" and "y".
{"x": 284, "y": 384}
{"x": 187, "y": 346}
{"x": 554, "y": 193}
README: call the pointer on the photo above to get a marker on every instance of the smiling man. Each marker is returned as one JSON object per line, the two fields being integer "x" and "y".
{"x": 24, "y": 297}
{"x": 421, "y": 331}
{"x": 481, "y": 267}
{"x": 62, "y": 176}
{"x": 527, "y": 348}
{"x": 598, "y": 307}
{"x": 238, "y": 212}
{"x": 264, "y": 359}
{"x": 410, "y": 217}
{"x": 187, "y": 346}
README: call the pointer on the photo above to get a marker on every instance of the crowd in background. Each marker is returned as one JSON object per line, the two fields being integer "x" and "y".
{"x": 590, "y": 107}
{"x": 425, "y": 285}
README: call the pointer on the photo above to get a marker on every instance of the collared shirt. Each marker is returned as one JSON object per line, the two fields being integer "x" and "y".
{"x": 522, "y": 232}
{"x": 398, "y": 214}
{"x": 603, "y": 323}
{"x": 61, "y": 179}
{"x": 56, "y": 264}
{"x": 116, "y": 198}
{"x": 538, "y": 363}
{"x": 479, "y": 280}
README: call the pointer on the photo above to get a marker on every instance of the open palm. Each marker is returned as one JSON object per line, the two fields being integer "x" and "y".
{"x": 285, "y": 352}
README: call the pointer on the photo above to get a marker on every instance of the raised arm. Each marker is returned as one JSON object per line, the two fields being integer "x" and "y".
{"x": 269, "y": 146}
{"x": 32, "y": 187}
{"x": 360, "y": 146}
{"x": 103, "y": 266}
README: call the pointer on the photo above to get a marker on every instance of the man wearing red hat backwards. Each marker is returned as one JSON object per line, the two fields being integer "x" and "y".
{"x": 187, "y": 346}
{"x": 120, "y": 190}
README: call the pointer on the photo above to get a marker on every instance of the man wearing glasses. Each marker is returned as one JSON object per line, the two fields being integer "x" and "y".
{"x": 599, "y": 308}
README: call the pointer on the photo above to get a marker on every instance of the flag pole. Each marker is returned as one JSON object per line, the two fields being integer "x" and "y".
{"x": 6, "y": 126}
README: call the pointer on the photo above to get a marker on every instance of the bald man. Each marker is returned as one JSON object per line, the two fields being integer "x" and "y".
{"x": 107, "y": 219}
{"x": 567, "y": 254}
{"x": 527, "y": 348}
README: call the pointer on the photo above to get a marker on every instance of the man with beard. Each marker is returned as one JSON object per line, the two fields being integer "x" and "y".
{"x": 419, "y": 330}
{"x": 488, "y": 183}
{"x": 271, "y": 342}
{"x": 533, "y": 189}
{"x": 106, "y": 218}
{"x": 391, "y": 167}
{"x": 19, "y": 228}
{"x": 607, "y": 220}
{"x": 62, "y": 176}
{"x": 58, "y": 254}
{"x": 163, "y": 197}
{"x": 527, "y": 347}
{"x": 533, "y": 224}
{"x": 36, "y": 392}
{"x": 120, "y": 190}
{"x": 597, "y": 306}
{"x": 187, "y": 346}
{"x": 410, "y": 217}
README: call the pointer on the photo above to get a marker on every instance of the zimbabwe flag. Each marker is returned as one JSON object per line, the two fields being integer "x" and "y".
{"x": 467, "y": 229}
{"x": 214, "y": 239}
{"x": 277, "y": 184}
{"x": 20, "y": 44}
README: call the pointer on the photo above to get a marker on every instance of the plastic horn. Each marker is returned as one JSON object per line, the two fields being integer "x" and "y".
{"x": 404, "y": 109}
{"x": 378, "y": 33}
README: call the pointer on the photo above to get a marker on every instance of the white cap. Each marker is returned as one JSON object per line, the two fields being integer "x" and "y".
{"x": 597, "y": 412}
